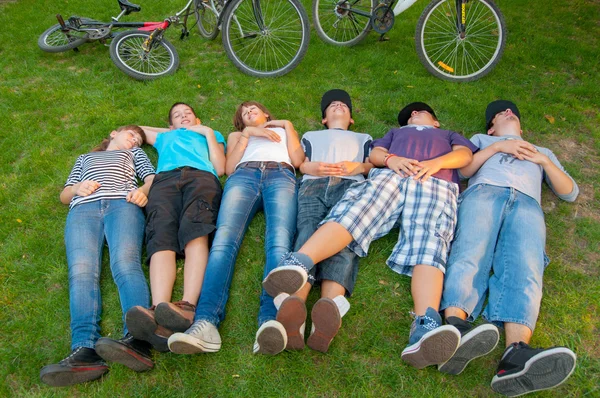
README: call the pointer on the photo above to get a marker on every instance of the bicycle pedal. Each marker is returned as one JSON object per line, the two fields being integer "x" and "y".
{"x": 383, "y": 38}
{"x": 184, "y": 33}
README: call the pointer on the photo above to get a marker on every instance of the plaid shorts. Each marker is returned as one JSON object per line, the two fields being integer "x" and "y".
{"x": 424, "y": 212}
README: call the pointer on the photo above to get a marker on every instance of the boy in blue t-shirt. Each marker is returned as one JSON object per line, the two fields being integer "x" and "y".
{"x": 414, "y": 188}
{"x": 182, "y": 211}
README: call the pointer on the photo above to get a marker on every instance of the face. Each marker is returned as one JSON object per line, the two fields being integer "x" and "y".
{"x": 125, "y": 139}
{"x": 338, "y": 111}
{"x": 252, "y": 115}
{"x": 505, "y": 122}
{"x": 182, "y": 116}
{"x": 423, "y": 118}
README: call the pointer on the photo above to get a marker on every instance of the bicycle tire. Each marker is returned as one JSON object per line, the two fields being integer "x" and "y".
{"x": 54, "y": 40}
{"x": 206, "y": 18}
{"x": 445, "y": 55}
{"x": 337, "y": 26}
{"x": 128, "y": 55}
{"x": 272, "y": 51}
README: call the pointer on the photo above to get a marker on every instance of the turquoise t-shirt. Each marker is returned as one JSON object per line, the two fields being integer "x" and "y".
{"x": 184, "y": 148}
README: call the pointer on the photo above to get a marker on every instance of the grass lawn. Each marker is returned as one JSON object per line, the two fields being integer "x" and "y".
{"x": 54, "y": 107}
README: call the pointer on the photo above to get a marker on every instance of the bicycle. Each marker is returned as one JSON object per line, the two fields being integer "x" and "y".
{"x": 263, "y": 38}
{"x": 456, "y": 40}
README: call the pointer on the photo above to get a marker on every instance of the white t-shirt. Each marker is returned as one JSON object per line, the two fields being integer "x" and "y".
{"x": 262, "y": 149}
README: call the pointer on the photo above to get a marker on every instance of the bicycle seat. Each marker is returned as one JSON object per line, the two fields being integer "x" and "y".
{"x": 128, "y": 7}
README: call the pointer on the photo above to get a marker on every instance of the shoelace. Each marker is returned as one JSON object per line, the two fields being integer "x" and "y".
{"x": 196, "y": 327}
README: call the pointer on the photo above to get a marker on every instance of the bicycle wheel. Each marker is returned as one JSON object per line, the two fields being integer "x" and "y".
{"x": 449, "y": 56}
{"x": 267, "y": 40}
{"x": 342, "y": 22}
{"x": 54, "y": 40}
{"x": 127, "y": 52}
{"x": 207, "y": 12}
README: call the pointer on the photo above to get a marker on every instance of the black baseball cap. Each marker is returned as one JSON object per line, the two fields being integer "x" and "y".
{"x": 405, "y": 113}
{"x": 335, "y": 95}
{"x": 495, "y": 107}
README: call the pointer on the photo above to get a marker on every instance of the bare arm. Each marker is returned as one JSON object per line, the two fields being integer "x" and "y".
{"x": 460, "y": 156}
{"x": 139, "y": 196}
{"x": 517, "y": 148}
{"x": 293, "y": 141}
{"x": 236, "y": 146}
{"x": 83, "y": 188}
{"x": 561, "y": 182}
{"x": 152, "y": 132}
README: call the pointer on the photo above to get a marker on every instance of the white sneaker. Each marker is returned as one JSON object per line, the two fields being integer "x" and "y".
{"x": 271, "y": 338}
{"x": 202, "y": 336}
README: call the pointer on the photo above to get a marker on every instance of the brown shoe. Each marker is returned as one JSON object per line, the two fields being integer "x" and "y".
{"x": 292, "y": 315}
{"x": 142, "y": 325}
{"x": 326, "y": 320}
{"x": 177, "y": 316}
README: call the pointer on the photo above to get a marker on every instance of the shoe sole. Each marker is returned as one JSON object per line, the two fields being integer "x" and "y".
{"x": 327, "y": 322}
{"x": 285, "y": 279}
{"x": 545, "y": 370}
{"x": 171, "y": 319}
{"x": 434, "y": 348}
{"x": 478, "y": 342}
{"x": 113, "y": 351}
{"x": 181, "y": 343}
{"x": 292, "y": 315}
{"x": 58, "y": 376}
{"x": 271, "y": 339}
{"x": 143, "y": 327}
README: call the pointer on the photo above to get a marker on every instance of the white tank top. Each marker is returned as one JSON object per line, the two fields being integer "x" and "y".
{"x": 262, "y": 149}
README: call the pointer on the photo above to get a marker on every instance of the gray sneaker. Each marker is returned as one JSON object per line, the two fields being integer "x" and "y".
{"x": 289, "y": 276}
{"x": 271, "y": 339}
{"x": 202, "y": 336}
{"x": 430, "y": 343}
{"x": 475, "y": 342}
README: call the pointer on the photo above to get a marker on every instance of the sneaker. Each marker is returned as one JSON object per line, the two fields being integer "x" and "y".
{"x": 128, "y": 351}
{"x": 326, "y": 320}
{"x": 475, "y": 342}
{"x": 271, "y": 338}
{"x": 82, "y": 364}
{"x": 177, "y": 317}
{"x": 430, "y": 343}
{"x": 142, "y": 325}
{"x": 289, "y": 276}
{"x": 202, "y": 336}
{"x": 523, "y": 369}
{"x": 292, "y": 315}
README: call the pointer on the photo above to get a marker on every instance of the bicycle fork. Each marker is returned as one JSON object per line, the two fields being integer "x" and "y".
{"x": 461, "y": 17}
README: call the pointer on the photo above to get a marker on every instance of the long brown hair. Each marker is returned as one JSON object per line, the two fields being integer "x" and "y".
{"x": 105, "y": 142}
{"x": 238, "y": 121}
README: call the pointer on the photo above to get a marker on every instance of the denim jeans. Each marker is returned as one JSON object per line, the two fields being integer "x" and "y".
{"x": 502, "y": 231}
{"x": 315, "y": 198}
{"x": 122, "y": 224}
{"x": 246, "y": 191}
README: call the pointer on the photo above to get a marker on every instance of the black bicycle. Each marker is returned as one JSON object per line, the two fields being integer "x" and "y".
{"x": 457, "y": 40}
{"x": 263, "y": 38}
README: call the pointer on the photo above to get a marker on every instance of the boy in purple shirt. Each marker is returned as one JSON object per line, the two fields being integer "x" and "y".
{"x": 416, "y": 189}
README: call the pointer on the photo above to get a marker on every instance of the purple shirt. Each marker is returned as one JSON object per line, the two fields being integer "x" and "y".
{"x": 424, "y": 143}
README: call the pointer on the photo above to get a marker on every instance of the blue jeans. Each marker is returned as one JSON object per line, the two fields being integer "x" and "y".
{"x": 122, "y": 224}
{"x": 246, "y": 191}
{"x": 502, "y": 231}
{"x": 315, "y": 198}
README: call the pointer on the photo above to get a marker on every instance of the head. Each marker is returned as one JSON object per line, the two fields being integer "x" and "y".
{"x": 182, "y": 115}
{"x": 125, "y": 137}
{"x": 418, "y": 113}
{"x": 250, "y": 113}
{"x": 503, "y": 118}
{"x": 336, "y": 109}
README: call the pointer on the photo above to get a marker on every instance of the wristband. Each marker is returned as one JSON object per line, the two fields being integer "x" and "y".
{"x": 388, "y": 157}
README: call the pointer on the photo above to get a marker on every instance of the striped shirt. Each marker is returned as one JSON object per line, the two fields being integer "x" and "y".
{"x": 115, "y": 171}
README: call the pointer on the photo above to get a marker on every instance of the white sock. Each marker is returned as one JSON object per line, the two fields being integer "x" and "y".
{"x": 279, "y": 299}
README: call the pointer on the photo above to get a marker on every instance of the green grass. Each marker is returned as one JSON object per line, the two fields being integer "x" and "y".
{"x": 54, "y": 107}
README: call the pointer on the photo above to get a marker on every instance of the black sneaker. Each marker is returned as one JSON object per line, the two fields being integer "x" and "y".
{"x": 128, "y": 351}
{"x": 474, "y": 343}
{"x": 523, "y": 369}
{"x": 83, "y": 364}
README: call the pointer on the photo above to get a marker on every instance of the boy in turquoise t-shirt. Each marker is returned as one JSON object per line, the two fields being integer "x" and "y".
{"x": 181, "y": 213}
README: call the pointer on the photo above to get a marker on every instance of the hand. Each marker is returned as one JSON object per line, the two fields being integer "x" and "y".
{"x": 137, "y": 197}
{"x": 537, "y": 158}
{"x": 321, "y": 169}
{"x": 428, "y": 168}
{"x": 350, "y": 168}
{"x": 87, "y": 188}
{"x": 262, "y": 132}
{"x": 200, "y": 129}
{"x": 274, "y": 123}
{"x": 403, "y": 166}
{"x": 518, "y": 148}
